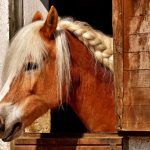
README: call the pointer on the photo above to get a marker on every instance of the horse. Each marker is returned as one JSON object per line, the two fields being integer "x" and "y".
{"x": 55, "y": 61}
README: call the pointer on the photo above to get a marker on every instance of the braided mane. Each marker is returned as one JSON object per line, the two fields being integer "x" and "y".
{"x": 97, "y": 42}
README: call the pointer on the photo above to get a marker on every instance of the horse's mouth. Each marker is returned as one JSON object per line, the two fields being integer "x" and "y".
{"x": 12, "y": 132}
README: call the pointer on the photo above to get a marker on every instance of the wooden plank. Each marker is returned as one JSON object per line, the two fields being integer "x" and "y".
{"x": 137, "y": 60}
{"x": 139, "y": 43}
{"x": 67, "y": 148}
{"x": 137, "y": 78}
{"x": 69, "y": 141}
{"x": 136, "y": 117}
{"x": 137, "y": 96}
{"x": 29, "y": 9}
{"x": 70, "y": 135}
{"x": 137, "y": 7}
{"x": 15, "y": 16}
{"x": 118, "y": 58}
{"x": 139, "y": 24}
{"x": 136, "y": 74}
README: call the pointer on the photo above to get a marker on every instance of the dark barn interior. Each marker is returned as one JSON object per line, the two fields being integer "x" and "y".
{"x": 99, "y": 15}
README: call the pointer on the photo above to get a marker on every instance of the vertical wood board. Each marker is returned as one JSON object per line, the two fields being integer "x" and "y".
{"x": 134, "y": 109}
{"x": 118, "y": 58}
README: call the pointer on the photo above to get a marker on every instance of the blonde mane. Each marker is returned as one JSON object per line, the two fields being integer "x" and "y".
{"x": 99, "y": 44}
{"x": 27, "y": 46}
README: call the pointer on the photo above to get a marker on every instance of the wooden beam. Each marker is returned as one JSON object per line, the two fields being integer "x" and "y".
{"x": 15, "y": 16}
{"x": 118, "y": 58}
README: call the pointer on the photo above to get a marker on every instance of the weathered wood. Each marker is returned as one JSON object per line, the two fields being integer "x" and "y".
{"x": 137, "y": 60}
{"x": 137, "y": 7}
{"x": 67, "y": 148}
{"x": 139, "y": 43}
{"x": 137, "y": 78}
{"x": 137, "y": 94}
{"x": 132, "y": 65}
{"x": 69, "y": 142}
{"x": 136, "y": 118}
{"x": 15, "y": 16}
{"x": 118, "y": 58}
{"x": 139, "y": 24}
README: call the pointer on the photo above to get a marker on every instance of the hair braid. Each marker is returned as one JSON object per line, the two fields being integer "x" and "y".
{"x": 98, "y": 43}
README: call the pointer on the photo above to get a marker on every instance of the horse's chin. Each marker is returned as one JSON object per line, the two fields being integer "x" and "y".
{"x": 12, "y": 133}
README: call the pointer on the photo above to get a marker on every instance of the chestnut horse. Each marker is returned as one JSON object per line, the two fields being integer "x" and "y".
{"x": 55, "y": 61}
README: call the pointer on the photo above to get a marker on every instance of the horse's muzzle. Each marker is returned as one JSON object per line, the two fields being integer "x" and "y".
{"x": 12, "y": 132}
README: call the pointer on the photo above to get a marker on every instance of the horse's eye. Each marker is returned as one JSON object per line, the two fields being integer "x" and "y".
{"x": 31, "y": 66}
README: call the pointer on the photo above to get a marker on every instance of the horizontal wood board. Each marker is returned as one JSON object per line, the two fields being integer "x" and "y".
{"x": 68, "y": 142}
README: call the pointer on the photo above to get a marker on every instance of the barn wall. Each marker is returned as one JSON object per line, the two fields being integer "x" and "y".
{"x": 132, "y": 64}
{"x": 131, "y": 24}
{"x": 136, "y": 69}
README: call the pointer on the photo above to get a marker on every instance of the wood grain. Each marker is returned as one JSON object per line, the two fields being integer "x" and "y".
{"x": 136, "y": 117}
{"x": 118, "y": 58}
{"x": 137, "y": 96}
{"x": 139, "y": 24}
{"x": 139, "y": 43}
{"x": 15, "y": 16}
{"x": 137, "y": 7}
{"x": 137, "y": 78}
{"x": 68, "y": 142}
{"x": 134, "y": 66}
{"x": 137, "y": 61}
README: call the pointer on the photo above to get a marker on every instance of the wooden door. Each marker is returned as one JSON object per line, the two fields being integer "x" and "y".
{"x": 132, "y": 64}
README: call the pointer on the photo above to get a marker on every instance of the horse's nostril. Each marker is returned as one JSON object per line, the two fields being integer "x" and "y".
{"x": 2, "y": 125}
{"x": 11, "y": 132}
{"x": 17, "y": 125}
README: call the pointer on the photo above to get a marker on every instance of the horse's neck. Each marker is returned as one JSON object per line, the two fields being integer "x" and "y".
{"x": 91, "y": 95}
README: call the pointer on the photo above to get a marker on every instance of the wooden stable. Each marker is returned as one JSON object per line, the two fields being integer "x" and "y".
{"x": 131, "y": 29}
{"x": 68, "y": 142}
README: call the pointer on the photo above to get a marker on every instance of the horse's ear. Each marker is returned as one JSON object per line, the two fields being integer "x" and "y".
{"x": 37, "y": 16}
{"x": 50, "y": 24}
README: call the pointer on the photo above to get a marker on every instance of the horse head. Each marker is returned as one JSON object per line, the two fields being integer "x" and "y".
{"x": 47, "y": 65}
{"x": 29, "y": 76}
